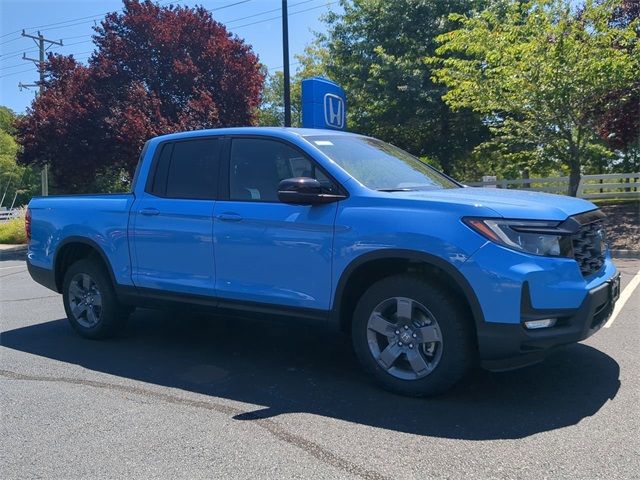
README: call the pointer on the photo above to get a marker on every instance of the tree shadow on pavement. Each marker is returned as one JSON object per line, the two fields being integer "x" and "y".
{"x": 293, "y": 368}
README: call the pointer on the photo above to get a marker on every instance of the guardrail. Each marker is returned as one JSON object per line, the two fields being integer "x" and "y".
{"x": 6, "y": 215}
{"x": 605, "y": 186}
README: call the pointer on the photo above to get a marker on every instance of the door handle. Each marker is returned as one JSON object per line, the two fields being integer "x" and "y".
{"x": 149, "y": 211}
{"x": 229, "y": 217}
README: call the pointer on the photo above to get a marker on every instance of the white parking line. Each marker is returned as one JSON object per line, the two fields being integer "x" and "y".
{"x": 624, "y": 296}
{"x": 15, "y": 266}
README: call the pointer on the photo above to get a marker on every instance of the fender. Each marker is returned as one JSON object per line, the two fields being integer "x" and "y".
{"x": 414, "y": 257}
{"x": 89, "y": 242}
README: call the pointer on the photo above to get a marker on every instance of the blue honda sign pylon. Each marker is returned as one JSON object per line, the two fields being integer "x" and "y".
{"x": 324, "y": 104}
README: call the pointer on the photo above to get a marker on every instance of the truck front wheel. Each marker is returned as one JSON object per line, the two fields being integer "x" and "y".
{"x": 90, "y": 301}
{"x": 412, "y": 335}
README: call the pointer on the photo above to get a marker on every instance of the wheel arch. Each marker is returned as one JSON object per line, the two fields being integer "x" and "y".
{"x": 72, "y": 249}
{"x": 373, "y": 266}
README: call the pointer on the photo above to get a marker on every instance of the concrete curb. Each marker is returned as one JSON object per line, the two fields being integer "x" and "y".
{"x": 13, "y": 252}
{"x": 12, "y": 248}
{"x": 625, "y": 254}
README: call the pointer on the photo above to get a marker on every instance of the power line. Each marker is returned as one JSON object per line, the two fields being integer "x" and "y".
{"x": 280, "y": 16}
{"x": 99, "y": 15}
{"x": 76, "y": 56}
{"x": 265, "y": 12}
{"x": 7, "y": 56}
{"x": 230, "y": 21}
{"x": 15, "y": 73}
{"x": 281, "y": 66}
{"x": 67, "y": 45}
{"x": 294, "y": 64}
{"x": 12, "y": 40}
{"x": 17, "y": 53}
{"x": 69, "y": 23}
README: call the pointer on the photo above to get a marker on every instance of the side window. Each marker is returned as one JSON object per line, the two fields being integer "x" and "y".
{"x": 159, "y": 184}
{"x": 257, "y": 166}
{"x": 187, "y": 169}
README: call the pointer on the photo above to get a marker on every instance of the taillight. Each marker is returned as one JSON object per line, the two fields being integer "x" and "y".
{"x": 27, "y": 224}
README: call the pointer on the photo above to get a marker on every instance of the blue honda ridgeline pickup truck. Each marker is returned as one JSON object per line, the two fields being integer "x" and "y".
{"x": 429, "y": 277}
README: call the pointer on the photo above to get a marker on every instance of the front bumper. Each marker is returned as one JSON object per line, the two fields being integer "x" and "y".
{"x": 508, "y": 346}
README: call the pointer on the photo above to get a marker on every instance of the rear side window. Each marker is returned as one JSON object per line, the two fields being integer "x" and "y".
{"x": 187, "y": 169}
{"x": 159, "y": 184}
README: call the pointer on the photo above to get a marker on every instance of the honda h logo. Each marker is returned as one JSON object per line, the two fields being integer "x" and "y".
{"x": 324, "y": 104}
{"x": 333, "y": 111}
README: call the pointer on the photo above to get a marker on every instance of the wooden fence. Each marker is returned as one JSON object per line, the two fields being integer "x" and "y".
{"x": 9, "y": 214}
{"x": 605, "y": 186}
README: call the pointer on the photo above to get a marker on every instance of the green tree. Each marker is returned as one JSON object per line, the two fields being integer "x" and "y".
{"x": 17, "y": 183}
{"x": 271, "y": 112}
{"x": 378, "y": 50}
{"x": 533, "y": 69}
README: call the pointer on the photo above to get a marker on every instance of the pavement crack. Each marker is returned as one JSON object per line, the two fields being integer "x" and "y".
{"x": 13, "y": 273}
{"x": 30, "y": 298}
{"x": 271, "y": 426}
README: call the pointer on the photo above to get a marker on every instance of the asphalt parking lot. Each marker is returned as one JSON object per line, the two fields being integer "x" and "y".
{"x": 180, "y": 396}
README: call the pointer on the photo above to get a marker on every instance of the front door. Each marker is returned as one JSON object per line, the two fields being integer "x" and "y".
{"x": 173, "y": 220}
{"x": 267, "y": 251}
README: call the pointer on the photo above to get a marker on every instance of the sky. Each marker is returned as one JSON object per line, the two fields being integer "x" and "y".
{"x": 71, "y": 21}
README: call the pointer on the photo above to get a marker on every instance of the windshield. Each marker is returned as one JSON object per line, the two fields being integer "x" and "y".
{"x": 378, "y": 165}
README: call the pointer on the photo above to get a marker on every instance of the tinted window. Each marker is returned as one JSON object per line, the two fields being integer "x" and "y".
{"x": 380, "y": 166}
{"x": 187, "y": 169}
{"x": 257, "y": 167}
{"x": 162, "y": 167}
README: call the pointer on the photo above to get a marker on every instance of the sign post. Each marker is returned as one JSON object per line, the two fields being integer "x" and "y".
{"x": 324, "y": 104}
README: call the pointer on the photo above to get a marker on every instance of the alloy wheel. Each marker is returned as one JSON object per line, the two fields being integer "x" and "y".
{"x": 85, "y": 300}
{"x": 404, "y": 338}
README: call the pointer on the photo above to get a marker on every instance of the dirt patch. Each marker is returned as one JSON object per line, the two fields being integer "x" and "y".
{"x": 623, "y": 225}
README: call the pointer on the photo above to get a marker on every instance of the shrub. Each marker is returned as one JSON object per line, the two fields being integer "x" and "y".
{"x": 12, "y": 231}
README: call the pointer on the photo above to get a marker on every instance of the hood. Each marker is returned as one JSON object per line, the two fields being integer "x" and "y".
{"x": 518, "y": 204}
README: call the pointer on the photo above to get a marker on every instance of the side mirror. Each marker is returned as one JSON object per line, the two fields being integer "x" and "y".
{"x": 304, "y": 191}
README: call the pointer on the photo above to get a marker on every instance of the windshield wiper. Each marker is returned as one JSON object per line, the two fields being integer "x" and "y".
{"x": 395, "y": 189}
{"x": 408, "y": 189}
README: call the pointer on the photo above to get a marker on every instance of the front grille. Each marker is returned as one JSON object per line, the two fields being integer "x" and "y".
{"x": 589, "y": 247}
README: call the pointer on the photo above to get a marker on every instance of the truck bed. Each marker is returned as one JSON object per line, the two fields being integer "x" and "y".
{"x": 99, "y": 219}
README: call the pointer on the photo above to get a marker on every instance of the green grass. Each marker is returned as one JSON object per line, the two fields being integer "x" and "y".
{"x": 615, "y": 201}
{"x": 12, "y": 232}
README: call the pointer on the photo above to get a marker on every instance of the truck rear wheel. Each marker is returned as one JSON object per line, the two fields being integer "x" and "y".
{"x": 90, "y": 301}
{"x": 412, "y": 336}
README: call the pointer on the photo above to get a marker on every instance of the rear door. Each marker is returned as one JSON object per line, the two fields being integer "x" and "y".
{"x": 173, "y": 225}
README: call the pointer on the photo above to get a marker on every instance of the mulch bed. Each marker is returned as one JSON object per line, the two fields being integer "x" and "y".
{"x": 623, "y": 225}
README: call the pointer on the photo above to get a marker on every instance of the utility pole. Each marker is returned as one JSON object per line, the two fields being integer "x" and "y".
{"x": 285, "y": 55}
{"x": 43, "y": 44}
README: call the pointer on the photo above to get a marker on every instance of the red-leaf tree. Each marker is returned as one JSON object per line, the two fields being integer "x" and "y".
{"x": 156, "y": 70}
{"x": 617, "y": 114}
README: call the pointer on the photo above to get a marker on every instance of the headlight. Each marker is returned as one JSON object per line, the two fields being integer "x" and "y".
{"x": 536, "y": 237}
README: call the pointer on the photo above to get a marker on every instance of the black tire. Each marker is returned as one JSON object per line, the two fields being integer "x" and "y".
{"x": 455, "y": 353}
{"x": 111, "y": 315}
